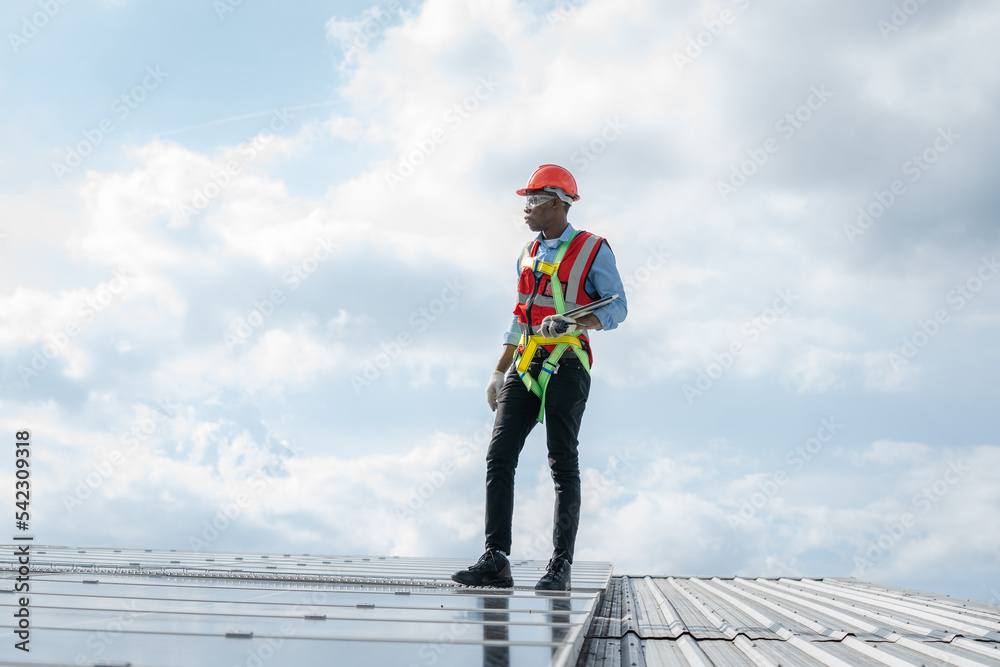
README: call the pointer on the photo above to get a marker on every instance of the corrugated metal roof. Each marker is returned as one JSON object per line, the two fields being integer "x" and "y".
{"x": 702, "y": 621}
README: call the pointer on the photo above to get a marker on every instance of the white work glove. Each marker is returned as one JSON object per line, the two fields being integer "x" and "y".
{"x": 493, "y": 388}
{"x": 548, "y": 326}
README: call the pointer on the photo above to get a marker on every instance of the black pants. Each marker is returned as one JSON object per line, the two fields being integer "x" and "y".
{"x": 517, "y": 413}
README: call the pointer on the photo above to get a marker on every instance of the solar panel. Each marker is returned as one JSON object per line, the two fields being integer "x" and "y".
{"x": 148, "y": 607}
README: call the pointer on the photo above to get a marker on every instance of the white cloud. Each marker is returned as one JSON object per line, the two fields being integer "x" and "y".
{"x": 816, "y": 369}
{"x": 283, "y": 359}
{"x": 54, "y": 320}
{"x": 460, "y": 102}
{"x": 890, "y": 452}
{"x": 345, "y": 127}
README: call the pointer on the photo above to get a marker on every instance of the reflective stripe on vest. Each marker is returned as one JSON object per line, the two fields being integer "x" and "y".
{"x": 578, "y": 274}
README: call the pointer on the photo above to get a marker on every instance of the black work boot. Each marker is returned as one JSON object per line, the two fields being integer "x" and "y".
{"x": 556, "y": 577}
{"x": 492, "y": 570}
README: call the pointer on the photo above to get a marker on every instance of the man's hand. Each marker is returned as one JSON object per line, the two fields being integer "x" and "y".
{"x": 548, "y": 326}
{"x": 493, "y": 388}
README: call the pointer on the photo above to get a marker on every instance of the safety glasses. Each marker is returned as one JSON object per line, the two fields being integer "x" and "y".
{"x": 531, "y": 201}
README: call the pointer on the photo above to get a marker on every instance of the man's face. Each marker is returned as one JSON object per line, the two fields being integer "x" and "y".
{"x": 542, "y": 214}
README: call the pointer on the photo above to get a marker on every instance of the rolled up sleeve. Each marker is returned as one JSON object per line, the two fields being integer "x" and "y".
{"x": 513, "y": 335}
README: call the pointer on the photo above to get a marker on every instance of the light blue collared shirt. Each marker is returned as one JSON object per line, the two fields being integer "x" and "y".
{"x": 602, "y": 280}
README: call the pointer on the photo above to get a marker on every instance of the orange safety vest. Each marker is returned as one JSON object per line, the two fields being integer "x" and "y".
{"x": 540, "y": 297}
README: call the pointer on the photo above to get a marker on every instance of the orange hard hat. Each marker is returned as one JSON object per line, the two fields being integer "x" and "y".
{"x": 552, "y": 176}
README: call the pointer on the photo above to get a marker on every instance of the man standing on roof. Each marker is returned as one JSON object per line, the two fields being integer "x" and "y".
{"x": 547, "y": 359}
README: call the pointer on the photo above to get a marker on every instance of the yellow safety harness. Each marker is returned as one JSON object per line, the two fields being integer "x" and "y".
{"x": 531, "y": 343}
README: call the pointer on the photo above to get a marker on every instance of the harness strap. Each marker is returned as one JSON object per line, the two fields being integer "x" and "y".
{"x": 530, "y": 343}
{"x": 533, "y": 342}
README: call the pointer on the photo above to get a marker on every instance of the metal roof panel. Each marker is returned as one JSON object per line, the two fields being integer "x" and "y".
{"x": 791, "y": 622}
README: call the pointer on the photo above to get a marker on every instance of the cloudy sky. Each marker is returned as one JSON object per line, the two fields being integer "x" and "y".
{"x": 257, "y": 262}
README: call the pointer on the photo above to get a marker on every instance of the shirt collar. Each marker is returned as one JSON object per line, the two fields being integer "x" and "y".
{"x": 565, "y": 236}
